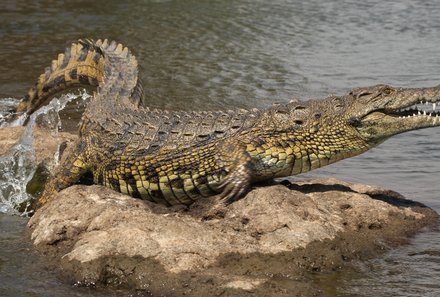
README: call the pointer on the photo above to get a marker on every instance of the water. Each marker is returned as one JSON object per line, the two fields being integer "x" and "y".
{"x": 18, "y": 166}
{"x": 199, "y": 55}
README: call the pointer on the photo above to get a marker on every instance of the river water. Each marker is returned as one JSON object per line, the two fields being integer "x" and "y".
{"x": 196, "y": 54}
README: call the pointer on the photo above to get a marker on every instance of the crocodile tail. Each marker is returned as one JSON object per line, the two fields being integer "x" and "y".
{"x": 84, "y": 63}
{"x": 121, "y": 83}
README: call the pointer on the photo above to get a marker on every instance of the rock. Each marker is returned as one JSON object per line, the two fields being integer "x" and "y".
{"x": 45, "y": 144}
{"x": 9, "y": 137}
{"x": 28, "y": 156}
{"x": 282, "y": 231}
{"x": 50, "y": 148}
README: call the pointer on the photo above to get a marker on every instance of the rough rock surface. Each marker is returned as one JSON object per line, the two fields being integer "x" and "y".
{"x": 263, "y": 245}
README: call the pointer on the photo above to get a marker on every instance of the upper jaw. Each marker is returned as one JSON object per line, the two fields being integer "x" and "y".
{"x": 404, "y": 98}
{"x": 415, "y": 102}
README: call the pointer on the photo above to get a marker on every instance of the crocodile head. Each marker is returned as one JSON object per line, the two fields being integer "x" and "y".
{"x": 339, "y": 127}
{"x": 381, "y": 111}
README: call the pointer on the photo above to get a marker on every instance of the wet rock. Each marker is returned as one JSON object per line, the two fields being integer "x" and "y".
{"x": 9, "y": 137}
{"x": 264, "y": 245}
{"x": 50, "y": 148}
{"x": 28, "y": 156}
{"x": 46, "y": 144}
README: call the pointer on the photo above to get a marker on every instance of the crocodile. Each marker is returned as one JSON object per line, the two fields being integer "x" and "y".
{"x": 177, "y": 157}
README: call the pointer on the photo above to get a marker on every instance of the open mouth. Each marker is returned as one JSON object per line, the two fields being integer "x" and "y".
{"x": 421, "y": 109}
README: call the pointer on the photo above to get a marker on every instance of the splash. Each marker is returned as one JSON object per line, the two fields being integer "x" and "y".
{"x": 18, "y": 165}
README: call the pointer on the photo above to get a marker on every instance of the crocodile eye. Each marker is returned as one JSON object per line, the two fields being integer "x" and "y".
{"x": 363, "y": 94}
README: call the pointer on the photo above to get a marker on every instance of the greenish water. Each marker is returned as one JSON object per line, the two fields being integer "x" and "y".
{"x": 228, "y": 54}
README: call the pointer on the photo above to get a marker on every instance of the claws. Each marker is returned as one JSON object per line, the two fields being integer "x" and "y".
{"x": 235, "y": 185}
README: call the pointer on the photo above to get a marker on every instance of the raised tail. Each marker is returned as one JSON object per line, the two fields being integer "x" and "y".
{"x": 84, "y": 63}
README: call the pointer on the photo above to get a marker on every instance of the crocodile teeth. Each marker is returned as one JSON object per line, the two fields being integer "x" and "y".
{"x": 420, "y": 109}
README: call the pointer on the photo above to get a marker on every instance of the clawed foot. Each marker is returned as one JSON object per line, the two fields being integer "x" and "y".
{"x": 235, "y": 185}
{"x": 232, "y": 188}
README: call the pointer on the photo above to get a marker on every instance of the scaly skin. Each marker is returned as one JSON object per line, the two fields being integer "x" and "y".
{"x": 178, "y": 157}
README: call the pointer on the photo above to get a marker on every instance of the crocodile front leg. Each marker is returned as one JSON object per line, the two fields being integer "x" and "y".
{"x": 236, "y": 183}
{"x": 240, "y": 167}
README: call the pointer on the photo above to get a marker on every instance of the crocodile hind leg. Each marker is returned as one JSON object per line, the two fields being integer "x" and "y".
{"x": 72, "y": 168}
